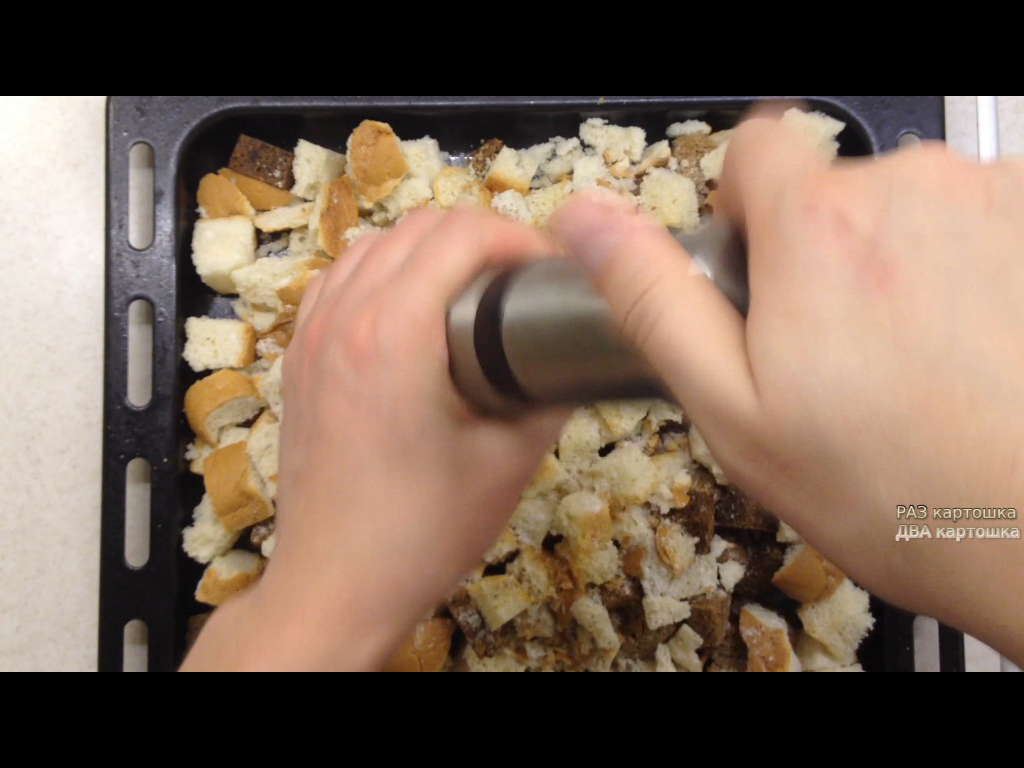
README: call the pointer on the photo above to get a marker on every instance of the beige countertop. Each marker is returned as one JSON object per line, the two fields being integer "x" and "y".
{"x": 51, "y": 392}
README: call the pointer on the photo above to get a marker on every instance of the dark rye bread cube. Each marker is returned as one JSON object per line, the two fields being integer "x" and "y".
{"x": 265, "y": 162}
{"x": 735, "y": 510}
{"x": 698, "y": 517}
{"x": 731, "y": 654}
{"x": 709, "y": 618}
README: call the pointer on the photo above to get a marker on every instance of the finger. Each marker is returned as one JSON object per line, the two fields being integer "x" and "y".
{"x": 387, "y": 255}
{"x": 459, "y": 248}
{"x": 663, "y": 304}
{"x": 309, "y": 299}
{"x": 765, "y": 160}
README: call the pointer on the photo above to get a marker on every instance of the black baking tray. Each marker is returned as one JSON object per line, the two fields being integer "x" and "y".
{"x": 193, "y": 136}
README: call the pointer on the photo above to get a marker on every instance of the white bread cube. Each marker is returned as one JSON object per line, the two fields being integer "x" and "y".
{"x": 269, "y": 545}
{"x": 661, "y": 611}
{"x": 633, "y": 527}
{"x": 219, "y": 247}
{"x": 621, "y": 418}
{"x": 688, "y": 128}
{"x": 542, "y": 203}
{"x": 663, "y": 659}
{"x": 676, "y": 548}
{"x": 627, "y": 474}
{"x": 212, "y": 343}
{"x": 731, "y": 573}
{"x": 223, "y": 399}
{"x": 766, "y": 636}
{"x": 814, "y": 657}
{"x": 303, "y": 243}
{"x": 499, "y": 599}
{"x": 206, "y": 539}
{"x": 580, "y": 440}
{"x": 532, "y": 519}
{"x": 594, "y": 617}
{"x": 531, "y": 570}
{"x": 841, "y": 621}
{"x": 683, "y": 649}
{"x": 549, "y": 476}
{"x": 655, "y": 156}
{"x": 411, "y": 192}
{"x": 702, "y": 455}
{"x": 229, "y": 575}
{"x": 262, "y": 319}
{"x": 588, "y": 170}
{"x": 236, "y": 490}
{"x": 260, "y": 282}
{"x": 806, "y": 576}
{"x": 285, "y": 217}
{"x": 448, "y": 184}
{"x": 271, "y": 388}
{"x": 613, "y": 142}
{"x": 584, "y": 520}
{"x": 424, "y": 158}
{"x": 787, "y": 535}
{"x": 671, "y": 199}
{"x": 674, "y": 480}
{"x": 507, "y": 172}
{"x": 817, "y": 128}
{"x": 659, "y": 580}
{"x": 199, "y": 449}
{"x": 531, "y": 158}
{"x": 560, "y": 164}
{"x": 713, "y": 162}
{"x": 505, "y": 545}
{"x": 262, "y": 447}
{"x": 512, "y": 204}
{"x": 314, "y": 165}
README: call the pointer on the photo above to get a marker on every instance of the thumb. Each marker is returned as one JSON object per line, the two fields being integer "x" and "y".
{"x": 663, "y": 304}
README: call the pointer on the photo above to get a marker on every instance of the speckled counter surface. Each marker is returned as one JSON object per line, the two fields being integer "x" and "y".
{"x": 51, "y": 387}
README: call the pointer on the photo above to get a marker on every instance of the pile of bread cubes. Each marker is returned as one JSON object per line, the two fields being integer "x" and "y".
{"x": 629, "y": 551}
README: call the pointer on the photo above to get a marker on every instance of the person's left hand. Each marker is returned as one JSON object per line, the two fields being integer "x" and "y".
{"x": 390, "y": 487}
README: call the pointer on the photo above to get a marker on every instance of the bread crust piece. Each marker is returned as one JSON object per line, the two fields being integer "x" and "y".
{"x": 235, "y": 488}
{"x": 219, "y": 197}
{"x": 426, "y": 650}
{"x": 806, "y": 576}
{"x": 262, "y": 161}
{"x": 261, "y": 196}
{"x": 216, "y": 589}
{"x": 213, "y": 392}
{"x": 339, "y": 212}
{"x": 375, "y": 160}
{"x": 767, "y": 639}
{"x": 291, "y": 294}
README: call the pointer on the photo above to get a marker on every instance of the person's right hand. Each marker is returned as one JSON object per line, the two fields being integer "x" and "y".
{"x": 881, "y": 364}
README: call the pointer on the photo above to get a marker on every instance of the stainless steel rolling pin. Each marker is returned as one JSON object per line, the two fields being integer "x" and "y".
{"x": 540, "y": 333}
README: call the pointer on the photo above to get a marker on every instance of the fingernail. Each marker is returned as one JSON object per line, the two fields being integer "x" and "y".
{"x": 594, "y": 222}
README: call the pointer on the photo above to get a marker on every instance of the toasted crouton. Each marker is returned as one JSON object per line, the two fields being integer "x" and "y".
{"x": 212, "y": 343}
{"x": 218, "y": 197}
{"x": 219, "y": 247}
{"x": 315, "y": 165}
{"x": 228, "y": 575}
{"x": 261, "y": 196}
{"x": 375, "y": 160}
{"x": 222, "y": 399}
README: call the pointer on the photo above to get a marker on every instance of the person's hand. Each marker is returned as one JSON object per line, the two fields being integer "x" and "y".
{"x": 390, "y": 487}
{"x": 882, "y": 362}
